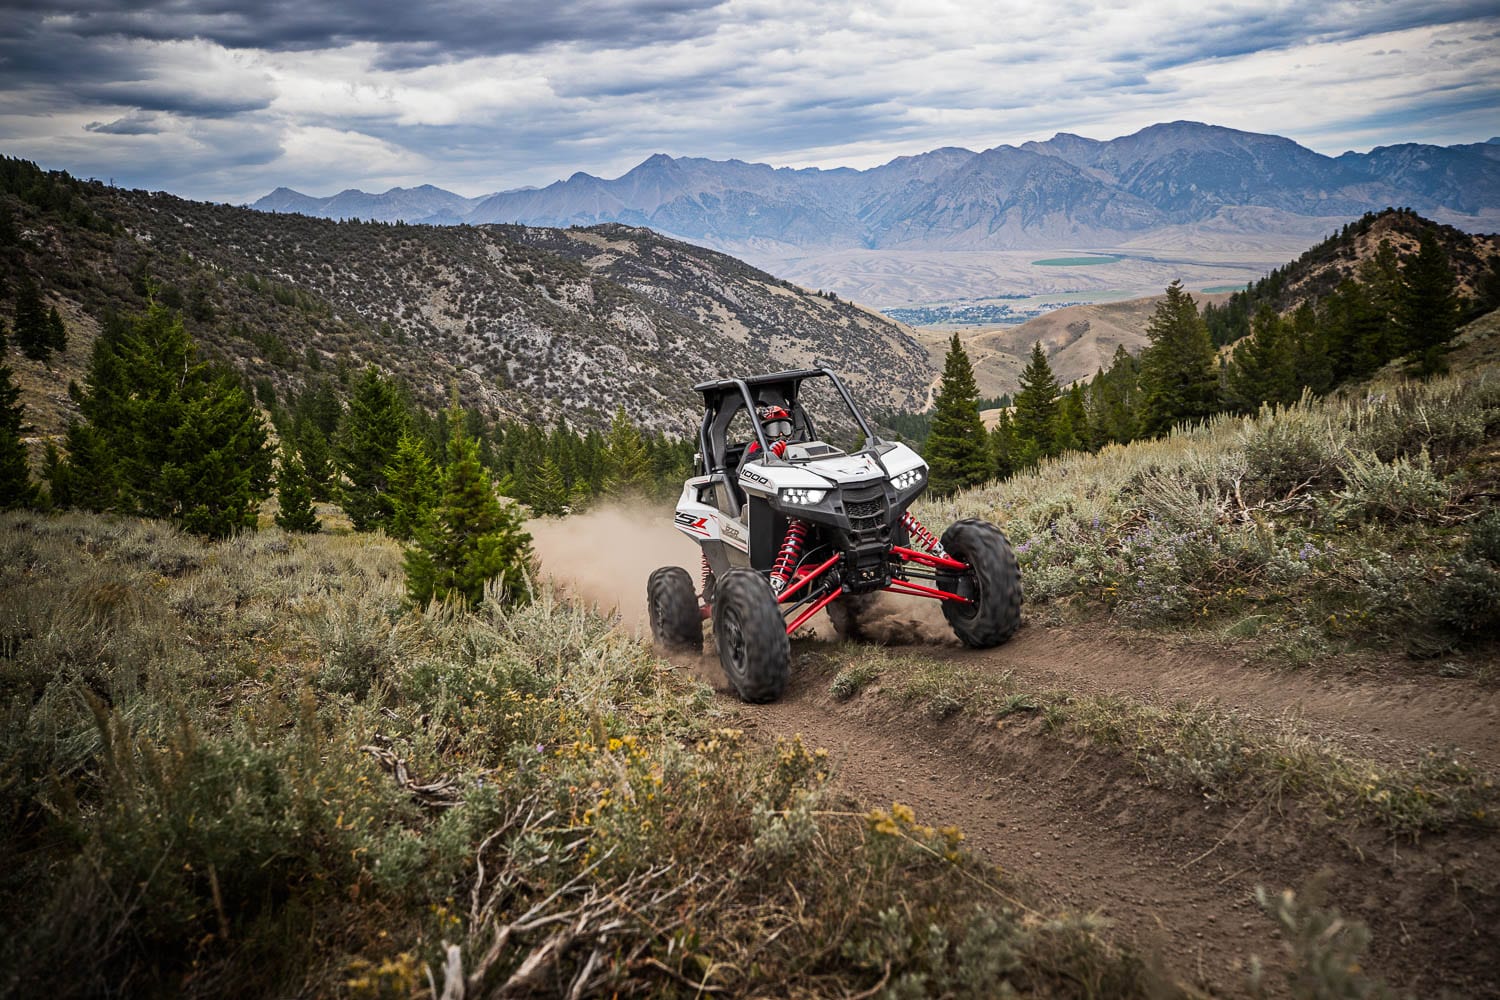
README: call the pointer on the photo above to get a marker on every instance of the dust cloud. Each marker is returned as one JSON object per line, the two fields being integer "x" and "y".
{"x": 603, "y": 558}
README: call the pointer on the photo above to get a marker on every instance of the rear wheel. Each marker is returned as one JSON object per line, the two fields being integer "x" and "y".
{"x": 992, "y": 584}
{"x": 850, "y": 613}
{"x": 676, "y": 624}
{"x": 751, "y": 636}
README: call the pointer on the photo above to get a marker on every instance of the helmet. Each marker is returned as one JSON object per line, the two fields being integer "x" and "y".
{"x": 776, "y": 420}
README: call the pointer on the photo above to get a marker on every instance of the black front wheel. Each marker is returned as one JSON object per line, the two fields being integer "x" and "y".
{"x": 676, "y": 624}
{"x": 751, "y": 636}
{"x": 992, "y": 584}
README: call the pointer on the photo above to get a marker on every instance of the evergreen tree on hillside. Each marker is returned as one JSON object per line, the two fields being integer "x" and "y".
{"x": 89, "y": 477}
{"x": 470, "y": 539}
{"x": 294, "y": 495}
{"x": 16, "y": 487}
{"x": 164, "y": 434}
{"x": 1035, "y": 416}
{"x": 1262, "y": 369}
{"x": 958, "y": 449}
{"x": 316, "y": 456}
{"x": 1113, "y": 397}
{"x": 1427, "y": 308}
{"x": 628, "y": 461}
{"x": 1003, "y": 445}
{"x": 368, "y": 436}
{"x": 57, "y": 333}
{"x": 33, "y": 337}
{"x": 1179, "y": 379}
{"x": 413, "y": 485}
{"x": 546, "y": 491}
{"x": 1072, "y": 430}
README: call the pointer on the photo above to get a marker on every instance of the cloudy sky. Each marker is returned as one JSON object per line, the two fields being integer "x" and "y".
{"x": 227, "y": 99}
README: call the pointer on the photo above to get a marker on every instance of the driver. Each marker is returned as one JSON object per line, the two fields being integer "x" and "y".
{"x": 777, "y": 423}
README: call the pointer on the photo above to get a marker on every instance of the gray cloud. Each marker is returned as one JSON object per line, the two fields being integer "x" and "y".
{"x": 212, "y": 98}
{"x": 416, "y": 34}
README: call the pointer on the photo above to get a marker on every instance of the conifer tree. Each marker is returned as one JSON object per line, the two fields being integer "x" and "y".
{"x": 89, "y": 478}
{"x": 294, "y": 494}
{"x": 368, "y": 437}
{"x": 413, "y": 486}
{"x": 470, "y": 539}
{"x": 546, "y": 492}
{"x": 1262, "y": 369}
{"x": 164, "y": 434}
{"x": 628, "y": 461}
{"x": 57, "y": 333}
{"x": 1427, "y": 306}
{"x": 1113, "y": 400}
{"x": 317, "y": 459}
{"x": 30, "y": 322}
{"x": 1178, "y": 377}
{"x": 1072, "y": 431}
{"x": 1003, "y": 445}
{"x": 958, "y": 449}
{"x": 1035, "y": 416}
{"x": 16, "y": 487}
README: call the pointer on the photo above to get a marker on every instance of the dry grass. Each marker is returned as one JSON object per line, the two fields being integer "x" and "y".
{"x": 247, "y": 767}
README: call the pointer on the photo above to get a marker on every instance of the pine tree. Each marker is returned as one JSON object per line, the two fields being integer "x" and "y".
{"x": 317, "y": 459}
{"x": 471, "y": 539}
{"x": 16, "y": 487}
{"x": 1262, "y": 369}
{"x": 1003, "y": 445}
{"x": 1179, "y": 379}
{"x": 163, "y": 434}
{"x": 1035, "y": 416}
{"x": 545, "y": 491}
{"x": 958, "y": 449}
{"x": 1114, "y": 398}
{"x": 218, "y": 464}
{"x": 294, "y": 495}
{"x": 1427, "y": 306}
{"x": 89, "y": 478}
{"x": 629, "y": 463}
{"x": 413, "y": 486}
{"x": 1072, "y": 430}
{"x": 368, "y": 436}
{"x": 30, "y": 322}
{"x": 57, "y": 333}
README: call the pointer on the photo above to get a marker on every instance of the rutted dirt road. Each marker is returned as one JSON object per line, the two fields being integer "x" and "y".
{"x": 1175, "y": 875}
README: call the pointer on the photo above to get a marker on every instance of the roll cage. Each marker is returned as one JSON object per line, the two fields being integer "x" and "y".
{"x": 723, "y": 399}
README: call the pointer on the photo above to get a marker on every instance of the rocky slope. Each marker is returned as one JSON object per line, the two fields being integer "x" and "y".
{"x": 525, "y": 322}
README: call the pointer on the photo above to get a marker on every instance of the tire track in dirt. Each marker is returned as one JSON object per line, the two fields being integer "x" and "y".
{"x": 1174, "y": 875}
{"x": 1384, "y": 711}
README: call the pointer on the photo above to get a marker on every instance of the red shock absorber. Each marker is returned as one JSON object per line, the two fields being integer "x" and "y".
{"x": 921, "y": 535}
{"x": 791, "y": 551}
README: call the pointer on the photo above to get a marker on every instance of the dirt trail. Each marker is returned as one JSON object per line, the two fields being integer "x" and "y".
{"x": 1174, "y": 874}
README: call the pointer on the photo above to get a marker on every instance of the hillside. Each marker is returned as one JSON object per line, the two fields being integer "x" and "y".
{"x": 523, "y": 329}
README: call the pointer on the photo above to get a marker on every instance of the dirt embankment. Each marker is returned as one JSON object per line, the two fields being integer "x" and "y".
{"x": 1176, "y": 875}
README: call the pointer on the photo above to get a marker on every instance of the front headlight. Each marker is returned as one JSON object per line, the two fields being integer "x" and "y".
{"x": 907, "y": 479}
{"x": 803, "y": 498}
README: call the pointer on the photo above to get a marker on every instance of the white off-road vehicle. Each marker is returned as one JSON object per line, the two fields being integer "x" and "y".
{"x": 821, "y": 526}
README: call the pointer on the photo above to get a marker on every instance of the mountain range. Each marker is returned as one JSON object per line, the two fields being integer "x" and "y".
{"x": 1067, "y": 191}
